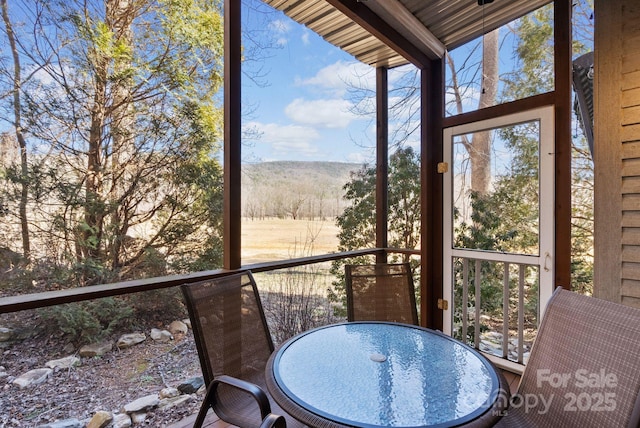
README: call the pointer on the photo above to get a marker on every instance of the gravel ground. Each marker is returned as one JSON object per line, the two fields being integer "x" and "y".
{"x": 105, "y": 383}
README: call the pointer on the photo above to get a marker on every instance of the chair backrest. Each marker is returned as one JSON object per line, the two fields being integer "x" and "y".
{"x": 584, "y": 368}
{"x": 381, "y": 292}
{"x": 229, "y": 327}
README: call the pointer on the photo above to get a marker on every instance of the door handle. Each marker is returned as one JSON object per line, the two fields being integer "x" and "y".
{"x": 547, "y": 256}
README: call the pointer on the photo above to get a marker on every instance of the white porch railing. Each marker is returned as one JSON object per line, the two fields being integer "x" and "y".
{"x": 518, "y": 286}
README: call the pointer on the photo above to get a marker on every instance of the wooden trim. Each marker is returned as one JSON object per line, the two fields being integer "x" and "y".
{"x": 563, "y": 116}
{"x": 432, "y": 109}
{"x": 232, "y": 134}
{"x": 410, "y": 27}
{"x": 529, "y": 103}
{"x": 382, "y": 160}
{"x": 59, "y": 297}
{"x": 504, "y": 364}
{"x": 363, "y": 16}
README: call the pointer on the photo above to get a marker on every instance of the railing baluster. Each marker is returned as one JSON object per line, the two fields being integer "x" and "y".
{"x": 505, "y": 312}
{"x": 465, "y": 298}
{"x": 517, "y": 353}
{"x": 478, "y": 281}
{"x": 521, "y": 314}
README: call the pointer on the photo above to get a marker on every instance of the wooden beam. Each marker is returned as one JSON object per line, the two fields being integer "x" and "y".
{"x": 25, "y": 302}
{"x": 232, "y": 134}
{"x": 382, "y": 161}
{"x": 431, "y": 152}
{"x": 408, "y": 26}
{"x": 524, "y": 104}
{"x": 563, "y": 116}
{"x": 363, "y": 16}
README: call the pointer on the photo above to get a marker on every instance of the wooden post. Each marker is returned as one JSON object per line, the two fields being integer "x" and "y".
{"x": 232, "y": 134}
{"x": 382, "y": 162}
{"x": 432, "y": 111}
{"x": 563, "y": 116}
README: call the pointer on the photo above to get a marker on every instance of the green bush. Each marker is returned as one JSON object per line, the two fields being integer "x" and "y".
{"x": 164, "y": 305}
{"x": 89, "y": 321}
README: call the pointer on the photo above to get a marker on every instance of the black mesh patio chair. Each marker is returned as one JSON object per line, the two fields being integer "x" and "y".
{"x": 381, "y": 292}
{"x": 584, "y": 368}
{"x": 234, "y": 344}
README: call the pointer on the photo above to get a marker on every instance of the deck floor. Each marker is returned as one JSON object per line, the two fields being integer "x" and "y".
{"x": 513, "y": 380}
{"x": 213, "y": 421}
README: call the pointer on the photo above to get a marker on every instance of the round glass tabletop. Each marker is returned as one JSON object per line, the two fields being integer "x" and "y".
{"x": 383, "y": 374}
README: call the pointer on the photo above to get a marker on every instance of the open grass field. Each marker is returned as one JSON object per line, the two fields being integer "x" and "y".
{"x": 278, "y": 239}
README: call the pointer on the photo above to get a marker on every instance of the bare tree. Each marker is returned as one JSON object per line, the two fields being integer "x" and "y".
{"x": 479, "y": 147}
{"x": 17, "y": 125}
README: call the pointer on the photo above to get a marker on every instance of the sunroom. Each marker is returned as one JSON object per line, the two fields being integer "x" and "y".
{"x": 451, "y": 261}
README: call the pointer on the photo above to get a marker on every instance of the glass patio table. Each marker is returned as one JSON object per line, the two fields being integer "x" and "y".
{"x": 380, "y": 374}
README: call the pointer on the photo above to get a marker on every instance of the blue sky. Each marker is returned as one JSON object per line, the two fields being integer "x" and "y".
{"x": 301, "y": 109}
{"x": 304, "y": 112}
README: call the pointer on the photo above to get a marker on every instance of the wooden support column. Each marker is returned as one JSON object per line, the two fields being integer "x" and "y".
{"x": 431, "y": 152}
{"x": 563, "y": 115}
{"x": 382, "y": 162}
{"x": 232, "y": 134}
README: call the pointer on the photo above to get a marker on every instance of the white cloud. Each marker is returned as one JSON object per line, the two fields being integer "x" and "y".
{"x": 305, "y": 38}
{"x": 291, "y": 140}
{"x": 281, "y": 29}
{"x": 340, "y": 76}
{"x": 328, "y": 113}
{"x": 280, "y": 26}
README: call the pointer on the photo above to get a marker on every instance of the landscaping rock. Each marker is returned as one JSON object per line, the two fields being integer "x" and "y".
{"x": 131, "y": 339}
{"x": 32, "y": 377}
{"x": 100, "y": 420}
{"x": 191, "y": 385}
{"x": 95, "y": 349}
{"x": 160, "y": 335}
{"x": 67, "y": 423}
{"x": 63, "y": 363}
{"x": 142, "y": 404}
{"x": 122, "y": 420}
{"x": 169, "y": 393}
{"x": 6, "y": 334}
{"x": 138, "y": 418}
{"x": 167, "y": 403}
{"x": 178, "y": 327}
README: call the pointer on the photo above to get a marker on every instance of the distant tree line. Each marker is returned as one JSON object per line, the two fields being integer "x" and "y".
{"x": 295, "y": 190}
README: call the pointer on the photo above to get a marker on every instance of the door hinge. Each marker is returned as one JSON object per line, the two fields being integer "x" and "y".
{"x": 443, "y": 304}
{"x": 443, "y": 167}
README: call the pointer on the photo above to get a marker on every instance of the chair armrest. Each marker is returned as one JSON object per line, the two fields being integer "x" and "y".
{"x": 273, "y": 421}
{"x": 253, "y": 389}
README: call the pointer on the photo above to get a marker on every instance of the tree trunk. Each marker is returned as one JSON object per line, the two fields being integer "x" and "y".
{"x": 91, "y": 235}
{"x": 17, "y": 107}
{"x": 480, "y": 150}
{"x": 118, "y": 20}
